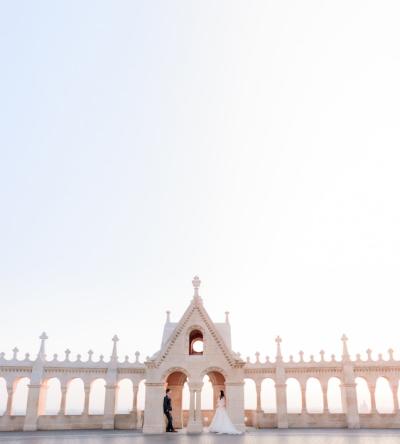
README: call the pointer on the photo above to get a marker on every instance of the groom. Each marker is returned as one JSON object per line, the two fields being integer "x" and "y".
{"x": 167, "y": 411}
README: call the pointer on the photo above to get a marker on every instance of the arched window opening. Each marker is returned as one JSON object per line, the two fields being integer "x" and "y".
{"x": 3, "y": 396}
{"x": 250, "y": 394}
{"x": 314, "y": 397}
{"x": 97, "y": 397}
{"x": 363, "y": 396}
{"x": 53, "y": 397}
{"x": 383, "y": 396}
{"x": 268, "y": 396}
{"x": 196, "y": 343}
{"x": 293, "y": 395}
{"x": 75, "y": 397}
{"x": 334, "y": 396}
{"x": 124, "y": 402}
{"x": 20, "y": 398}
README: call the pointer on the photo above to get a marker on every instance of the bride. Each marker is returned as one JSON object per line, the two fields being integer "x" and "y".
{"x": 221, "y": 423}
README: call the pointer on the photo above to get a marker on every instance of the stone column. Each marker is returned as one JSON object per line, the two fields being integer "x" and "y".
{"x": 195, "y": 423}
{"x": 303, "y": 397}
{"x": 324, "y": 387}
{"x": 109, "y": 406}
{"x": 154, "y": 421}
{"x": 349, "y": 386}
{"x": 258, "y": 413}
{"x": 394, "y": 386}
{"x": 63, "y": 404}
{"x": 371, "y": 388}
{"x": 135, "y": 389}
{"x": 235, "y": 403}
{"x": 10, "y": 392}
{"x": 281, "y": 406}
{"x": 86, "y": 389}
{"x": 32, "y": 407}
{"x": 343, "y": 398}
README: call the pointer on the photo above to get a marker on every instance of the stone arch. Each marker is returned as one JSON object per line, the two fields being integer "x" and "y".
{"x": 268, "y": 395}
{"x": 293, "y": 395}
{"x": 383, "y": 395}
{"x": 172, "y": 370}
{"x": 175, "y": 381}
{"x": 217, "y": 377}
{"x": 334, "y": 395}
{"x": 75, "y": 397}
{"x": 97, "y": 396}
{"x": 124, "y": 397}
{"x": 52, "y": 396}
{"x": 314, "y": 396}
{"x": 363, "y": 395}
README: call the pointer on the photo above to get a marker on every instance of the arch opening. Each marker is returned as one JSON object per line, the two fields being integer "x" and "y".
{"x": 196, "y": 342}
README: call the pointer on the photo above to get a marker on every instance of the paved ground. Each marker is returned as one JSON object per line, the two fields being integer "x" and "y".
{"x": 292, "y": 436}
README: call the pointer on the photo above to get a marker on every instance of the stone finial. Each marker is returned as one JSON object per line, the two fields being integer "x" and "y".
{"x": 248, "y": 359}
{"x": 15, "y": 352}
{"x": 322, "y": 353}
{"x": 290, "y": 358}
{"x": 67, "y": 353}
{"x": 114, "y": 355}
{"x": 42, "y": 351}
{"x": 257, "y": 357}
{"x": 358, "y": 357}
{"x": 78, "y": 357}
{"x": 380, "y": 357}
{"x": 333, "y": 358}
{"x": 278, "y": 341}
{"x": 196, "y": 285}
{"x": 2, "y": 354}
{"x": 90, "y": 355}
{"x": 369, "y": 353}
{"x": 101, "y": 358}
{"x": 390, "y": 351}
{"x": 27, "y": 356}
{"x": 137, "y": 354}
{"x": 345, "y": 352}
{"x": 168, "y": 313}
{"x": 301, "y": 354}
{"x": 227, "y": 317}
{"x": 267, "y": 358}
{"x": 311, "y": 358}
{"x": 126, "y": 358}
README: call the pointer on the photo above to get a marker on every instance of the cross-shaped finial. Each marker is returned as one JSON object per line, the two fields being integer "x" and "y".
{"x": 67, "y": 353}
{"x": 278, "y": 339}
{"x": 43, "y": 336}
{"x": 115, "y": 338}
{"x": 196, "y": 284}
{"x": 15, "y": 351}
{"x": 344, "y": 338}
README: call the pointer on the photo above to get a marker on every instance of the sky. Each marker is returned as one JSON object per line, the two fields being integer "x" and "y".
{"x": 255, "y": 144}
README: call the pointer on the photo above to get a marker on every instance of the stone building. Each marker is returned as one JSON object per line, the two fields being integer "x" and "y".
{"x": 191, "y": 349}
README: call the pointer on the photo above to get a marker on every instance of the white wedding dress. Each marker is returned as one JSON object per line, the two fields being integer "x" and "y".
{"x": 221, "y": 423}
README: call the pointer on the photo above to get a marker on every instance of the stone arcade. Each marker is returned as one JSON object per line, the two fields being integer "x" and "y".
{"x": 192, "y": 348}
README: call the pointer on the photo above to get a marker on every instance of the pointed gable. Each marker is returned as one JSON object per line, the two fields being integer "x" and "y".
{"x": 196, "y": 316}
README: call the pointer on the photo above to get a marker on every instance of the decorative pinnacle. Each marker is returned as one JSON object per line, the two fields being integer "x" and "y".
{"x": 15, "y": 350}
{"x": 196, "y": 284}
{"x": 42, "y": 337}
{"x": 345, "y": 354}
{"x": 115, "y": 339}
{"x": 227, "y": 317}
{"x": 278, "y": 341}
{"x": 168, "y": 316}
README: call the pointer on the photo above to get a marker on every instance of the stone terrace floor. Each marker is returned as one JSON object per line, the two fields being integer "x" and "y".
{"x": 292, "y": 436}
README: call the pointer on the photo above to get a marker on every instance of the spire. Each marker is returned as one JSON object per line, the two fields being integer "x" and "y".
{"x": 42, "y": 351}
{"x": 227, "y": 317}
{"x": 168, "y": 320}
{"x": 196, "y": 285}
{"x": 345, "y": 352}
{"x": 114, "y": 355}
{"x": 278, "y": 341}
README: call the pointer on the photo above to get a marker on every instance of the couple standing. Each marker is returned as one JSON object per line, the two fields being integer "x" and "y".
{"x": 221, "y": 423}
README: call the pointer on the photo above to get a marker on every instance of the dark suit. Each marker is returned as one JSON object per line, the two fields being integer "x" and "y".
{"x": 167, "y": 412}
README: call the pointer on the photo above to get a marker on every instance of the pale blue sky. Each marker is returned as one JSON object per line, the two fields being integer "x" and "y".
{"x": 253, "y": 143}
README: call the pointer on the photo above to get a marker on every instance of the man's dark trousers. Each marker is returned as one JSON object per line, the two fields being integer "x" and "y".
{"x": 170, "y": 427}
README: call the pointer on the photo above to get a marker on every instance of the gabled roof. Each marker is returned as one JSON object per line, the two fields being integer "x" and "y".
{"x": 196, "y": 305}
